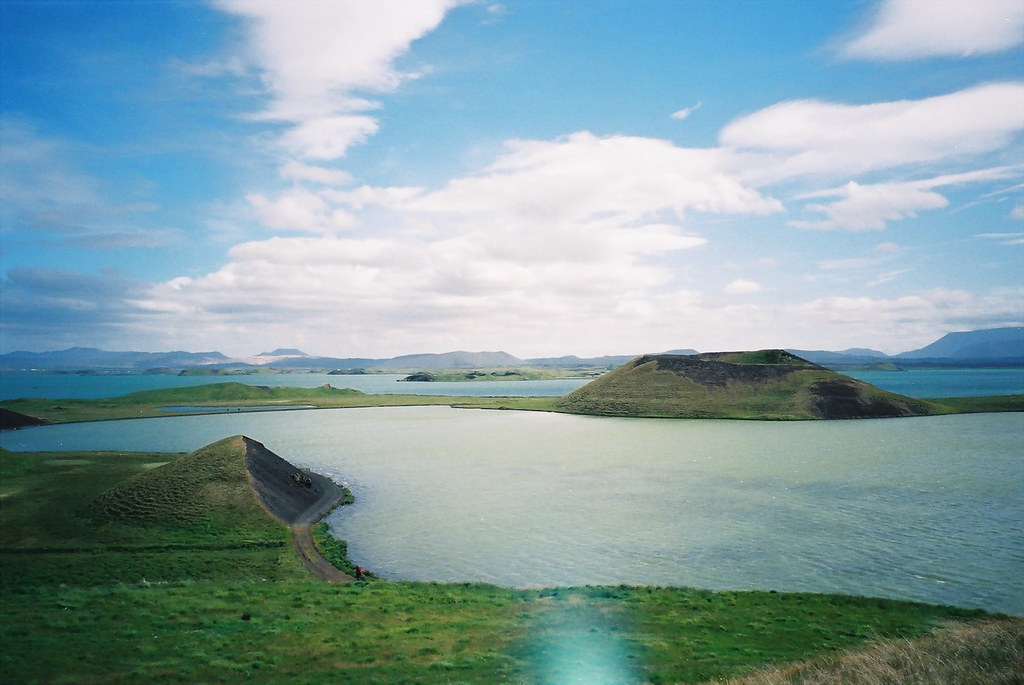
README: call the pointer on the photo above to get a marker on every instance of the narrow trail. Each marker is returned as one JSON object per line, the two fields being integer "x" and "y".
{"x": 287, "y": 493}
{"x": 302, "y": 533}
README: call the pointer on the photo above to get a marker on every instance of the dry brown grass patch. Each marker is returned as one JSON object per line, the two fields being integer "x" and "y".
{"x": 976, "y": 653}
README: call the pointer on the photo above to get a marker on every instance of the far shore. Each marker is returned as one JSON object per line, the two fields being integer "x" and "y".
{"x": 233, "y": 397}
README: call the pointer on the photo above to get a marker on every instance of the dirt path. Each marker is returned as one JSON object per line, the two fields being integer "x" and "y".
{"x": 302, "y": 533}
{"x": 298, "y": 499}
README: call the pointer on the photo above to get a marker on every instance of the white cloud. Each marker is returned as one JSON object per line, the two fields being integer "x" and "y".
{"x": 583, "y": 177}
{"x": 494, "y": 12}
{"x": 914, "y": 29}
{"x": 383, "y": 297}
{"x": 316, "y": 174}
{"x": 314, "y": 57}
{"x": 806, "y": 137}
{"x": 1003, "y": 238}
{"x": 327, "y": 138}
{"x": 886, "y": 277}
{"x": 742, "y": 286}
{"x": 686, "y": 111}
{"x": 300, "y": 210}
{"x": 363, "y": 196}
{"x": 1017, "y": 212}
{"x": 869, "y": 207}
{"x": 902, "y": 323}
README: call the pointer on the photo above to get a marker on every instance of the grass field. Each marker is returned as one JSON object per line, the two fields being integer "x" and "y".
{"x": 195, "y": 585}
{"x": 153, "y": 403}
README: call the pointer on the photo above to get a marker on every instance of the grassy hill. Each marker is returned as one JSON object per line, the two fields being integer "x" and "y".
{"x": 208, "y": 486}
{"x": 102, "y": 518}
{"x": 766, "y": 384}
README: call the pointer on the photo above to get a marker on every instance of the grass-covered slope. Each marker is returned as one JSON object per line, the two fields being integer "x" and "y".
{"x": 204, "y": 398}
{"x": 210, "y": 484}
{"x": 767, "y": 384}
{"x": 142, "y": 593}
{"x": 104, "y": 518}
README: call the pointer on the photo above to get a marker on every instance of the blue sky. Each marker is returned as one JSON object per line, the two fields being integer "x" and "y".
{"x": 546, "y": 177}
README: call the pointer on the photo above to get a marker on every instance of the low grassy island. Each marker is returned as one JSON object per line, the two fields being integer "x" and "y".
{"x": 767, "y": 384}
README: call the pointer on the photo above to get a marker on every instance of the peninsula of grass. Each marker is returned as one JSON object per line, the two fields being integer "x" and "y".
{"x": 476, "y": 375}
{"x": 634, "y": 392}
{"x": 239, "y": 397}
{"x": 122, "y": 567}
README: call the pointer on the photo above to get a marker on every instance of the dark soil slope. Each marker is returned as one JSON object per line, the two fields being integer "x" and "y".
{"x": 11, "y": 419}
{"x": 767, "y": 384}
{"x": 286, "y": 491}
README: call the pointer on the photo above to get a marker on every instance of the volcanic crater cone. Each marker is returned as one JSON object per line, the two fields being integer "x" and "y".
{"x": 236, "y": 480}
{"x": 765, "y": 384}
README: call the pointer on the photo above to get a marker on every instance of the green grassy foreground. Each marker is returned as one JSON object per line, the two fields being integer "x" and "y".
{"x": 108, "y": 574}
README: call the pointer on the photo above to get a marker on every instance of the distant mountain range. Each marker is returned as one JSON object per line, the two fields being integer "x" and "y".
{"x": 990, "y": 347}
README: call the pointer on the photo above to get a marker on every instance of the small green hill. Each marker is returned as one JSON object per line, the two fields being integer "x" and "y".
{"x": 765, "y": 384}
{"x": 209, "y": 487}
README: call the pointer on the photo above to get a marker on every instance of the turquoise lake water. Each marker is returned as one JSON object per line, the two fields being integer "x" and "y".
{"x": 915, "y": 383}
{"x": 929, "y": 509}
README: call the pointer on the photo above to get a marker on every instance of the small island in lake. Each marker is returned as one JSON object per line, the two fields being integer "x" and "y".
{"x": 764, "y": 384}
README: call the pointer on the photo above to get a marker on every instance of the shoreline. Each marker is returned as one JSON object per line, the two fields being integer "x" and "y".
{"x": 43, "y": 412}
{"x": 287, "y": 494}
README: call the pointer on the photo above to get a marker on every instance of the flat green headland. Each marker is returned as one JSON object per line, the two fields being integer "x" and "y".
{"x": 124, "y": 567}
{"x": 215, "y": 396}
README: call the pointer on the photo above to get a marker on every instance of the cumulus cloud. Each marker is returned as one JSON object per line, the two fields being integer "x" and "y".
{"x": 300, "y": 210}
{"x": 915, "y": 29}
{"x": 387, "y": 298}
{"x": 906, "y": 322}
{"x": 554, "y": 242}
{"x": 326, "y": 138}
{"x": 742, "y": 286}
{"x": 315, "y": 58}
{"x": 806, "y": 137}
{"x": 365, "y": 196}
{"x": 315, "y": 174}
{"x": 870, "y": 207}
{"x": 583, "y": 175}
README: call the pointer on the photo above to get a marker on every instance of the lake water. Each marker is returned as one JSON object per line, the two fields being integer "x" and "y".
{"x": 926, "y": 383}
{"x": 914, "y": 382}
{"x": 930, "y": 509}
